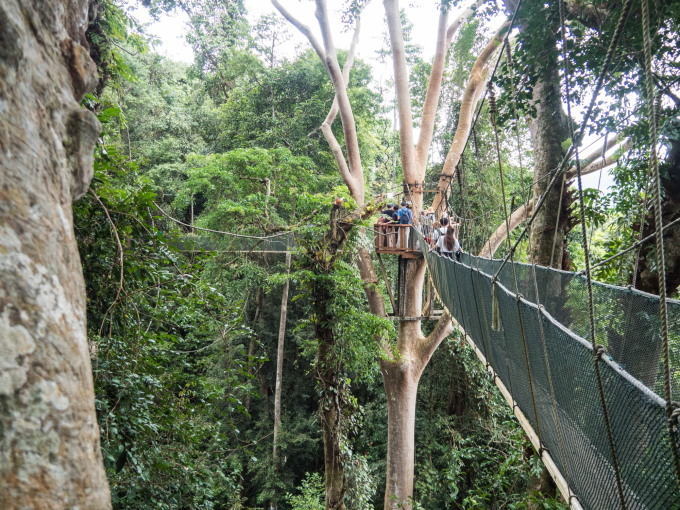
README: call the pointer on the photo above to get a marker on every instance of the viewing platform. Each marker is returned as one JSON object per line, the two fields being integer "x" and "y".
{"x": 396, "y": 239}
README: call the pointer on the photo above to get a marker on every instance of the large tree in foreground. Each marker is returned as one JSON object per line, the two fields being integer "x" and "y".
{"x": 402, "y": 363}
{"x": 49, "y": 446}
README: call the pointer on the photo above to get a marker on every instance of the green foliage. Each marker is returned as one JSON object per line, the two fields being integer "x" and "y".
{"x": 232, "y": 188}
{"x": 311, "y": 496}
{"x": 170, "y": 376}
{"x": 112, "y": 35}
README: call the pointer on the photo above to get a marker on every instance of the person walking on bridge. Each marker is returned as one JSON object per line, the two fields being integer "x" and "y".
{"x": 449, "y": 244}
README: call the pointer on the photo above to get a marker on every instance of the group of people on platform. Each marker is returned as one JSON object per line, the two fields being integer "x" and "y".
{"x": 440, "y": 236}
{"x": 395, "y": 214}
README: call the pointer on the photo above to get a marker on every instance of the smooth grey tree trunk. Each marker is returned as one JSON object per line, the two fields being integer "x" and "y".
{"x": 279, "y": 370}
{"x": 50, "y": 455}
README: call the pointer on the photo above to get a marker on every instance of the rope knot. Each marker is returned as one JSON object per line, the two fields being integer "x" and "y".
{"x": 599, "y": 352}
{"x": 674, "y": 417}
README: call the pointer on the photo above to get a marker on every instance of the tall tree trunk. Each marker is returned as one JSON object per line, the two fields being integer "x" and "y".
{"x": 644, "y": 359}
{"x": 401, "y": 375}
{"x": 647, "y": 278}
{"x": 549, "y": 129}
{"x": 279, "y": 370}
{"x": 50, "y": 453}
{"x": 330, "y": 412}
{"x": 401, "y": 388}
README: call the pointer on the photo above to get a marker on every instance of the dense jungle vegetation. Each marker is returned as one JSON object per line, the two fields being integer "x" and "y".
{"x": 183, "y": 320}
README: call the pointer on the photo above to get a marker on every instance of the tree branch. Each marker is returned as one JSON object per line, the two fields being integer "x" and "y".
{"x": 594, "y": 162}
{"x": 501, "y": 233}
{"x": 444, "y": 36}
{"x": 344, "y": 105}
{"x": 470, "y": 97}
{"x": 326, "y": 129}
{"x": 304, "y": 29}
{"x": 426, "y": 349}
{"x": 401, "y": 83}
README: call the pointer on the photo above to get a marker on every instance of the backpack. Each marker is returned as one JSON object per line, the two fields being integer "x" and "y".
{"x": 405, "y": 216}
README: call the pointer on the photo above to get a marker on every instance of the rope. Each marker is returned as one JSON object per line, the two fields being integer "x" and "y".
{"x": 658, "y": 221}
{"x": 231, "y": 234}
{"x": 597, "y": 352}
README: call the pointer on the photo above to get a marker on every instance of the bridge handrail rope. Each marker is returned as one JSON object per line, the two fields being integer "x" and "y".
{"x": 559, "y": 363}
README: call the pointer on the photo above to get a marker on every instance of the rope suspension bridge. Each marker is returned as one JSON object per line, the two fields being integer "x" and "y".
{"x": 532, "y": 339}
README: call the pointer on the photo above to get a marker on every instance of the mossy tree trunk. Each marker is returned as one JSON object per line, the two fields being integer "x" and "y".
{"x": 50, "y": 453}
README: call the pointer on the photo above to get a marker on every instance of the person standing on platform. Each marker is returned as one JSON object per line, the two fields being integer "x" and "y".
{"x": 404, "y": 217}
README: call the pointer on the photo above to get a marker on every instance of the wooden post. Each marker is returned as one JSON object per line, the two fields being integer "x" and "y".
{"x": 192, "y": 215}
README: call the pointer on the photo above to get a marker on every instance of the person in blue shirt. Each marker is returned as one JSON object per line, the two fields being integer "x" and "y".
{"x": 404, "y": 217}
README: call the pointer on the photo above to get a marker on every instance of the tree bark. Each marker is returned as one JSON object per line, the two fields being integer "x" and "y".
{"x": 549, "y": 129}
{"x": 50, "y": 455}
{"x": 647, "y": 276}
{"x": 401, "y": 387}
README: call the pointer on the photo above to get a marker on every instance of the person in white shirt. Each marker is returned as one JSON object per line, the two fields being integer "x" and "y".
{"x": 439, "y": 233}
{"x": 449, "y": 244}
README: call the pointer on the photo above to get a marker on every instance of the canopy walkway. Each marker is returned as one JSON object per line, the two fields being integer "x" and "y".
{"x": 593, "y": 416}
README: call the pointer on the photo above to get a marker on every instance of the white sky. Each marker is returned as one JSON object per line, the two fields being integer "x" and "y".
{"x": 171, "y": 30}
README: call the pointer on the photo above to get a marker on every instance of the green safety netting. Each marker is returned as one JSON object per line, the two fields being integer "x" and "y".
{"x": 540, "y": 354}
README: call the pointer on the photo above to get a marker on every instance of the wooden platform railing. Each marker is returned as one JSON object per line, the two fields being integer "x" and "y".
{"x": 395, "y": 239}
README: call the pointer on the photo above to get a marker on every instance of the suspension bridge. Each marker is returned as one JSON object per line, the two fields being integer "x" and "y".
{"x": 603, "y": 433}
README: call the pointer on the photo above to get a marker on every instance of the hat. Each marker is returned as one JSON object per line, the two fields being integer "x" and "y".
{"x": 403, "y": 203}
